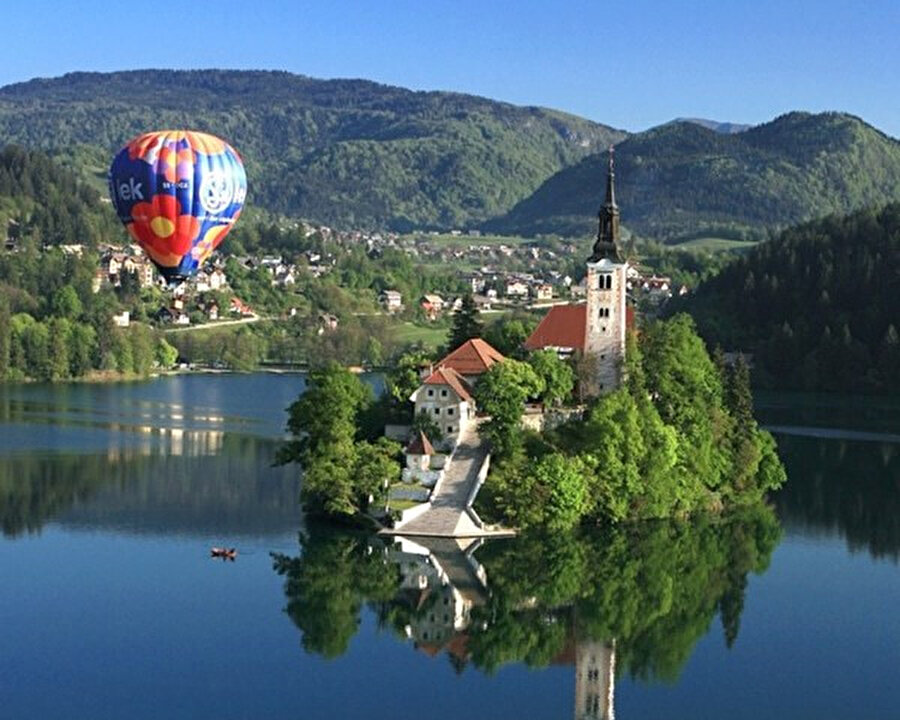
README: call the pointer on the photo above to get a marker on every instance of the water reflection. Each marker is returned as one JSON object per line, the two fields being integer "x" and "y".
{"x": 632, "y": 600}
{"x": 846, "y": 487}
{"x": 177, "y": 481}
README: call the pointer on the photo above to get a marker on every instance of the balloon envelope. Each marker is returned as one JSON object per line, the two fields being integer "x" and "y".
{"x": 178, "y": 192}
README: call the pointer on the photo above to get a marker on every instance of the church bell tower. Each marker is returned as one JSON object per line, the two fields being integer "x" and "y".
{"x": 605, "y": 288}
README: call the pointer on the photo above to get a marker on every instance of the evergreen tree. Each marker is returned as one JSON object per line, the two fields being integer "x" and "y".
{"x": 5, "y": 338}
{"x": 466, "y": 324}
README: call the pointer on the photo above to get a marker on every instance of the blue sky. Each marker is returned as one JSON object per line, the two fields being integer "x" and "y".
{"x": 628, "y": 63}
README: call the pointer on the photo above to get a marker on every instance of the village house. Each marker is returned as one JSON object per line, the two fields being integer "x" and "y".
{"x": 543, "y": 292}
{"x": 122, "y": 320}
{"x": 516, "y": 288}
{"x": 472, "y": 359}
{"x": 446, "y": 398}
{"x": 238, "y": 307}
{"x": 432, "y": 305}
{"x": 422, "y": 462}
{"x": 392, "y": 301}
{"x": 327, "y": 323}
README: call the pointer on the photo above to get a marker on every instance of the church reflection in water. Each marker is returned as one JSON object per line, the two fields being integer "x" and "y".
{"x": 628, "y": 601}
{"x": 441, "y": 579}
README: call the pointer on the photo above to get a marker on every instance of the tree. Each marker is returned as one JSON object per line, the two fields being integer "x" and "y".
{"x": 563, "y": 482}
{"x": 66, "y": 303}
{"x": 556, "y": 376}
{"x": 82, "y": 345}
{"x": 501, "y": 393}
{"x": 166, "y": 355}
{"x": 466, "y": 324}
{"x": 5, "y": 338}
{"x": 59, "y": 331}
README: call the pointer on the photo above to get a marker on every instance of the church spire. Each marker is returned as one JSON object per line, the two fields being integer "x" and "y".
{"x": 607, "y": 243}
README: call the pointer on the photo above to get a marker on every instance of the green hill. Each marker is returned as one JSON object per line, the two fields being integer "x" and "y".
{"x": 350, "y": 153}
{"x": 681, "y": 180}
{"x": 817, "y": 307}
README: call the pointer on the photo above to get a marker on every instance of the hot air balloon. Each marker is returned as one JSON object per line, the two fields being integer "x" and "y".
{"x": 178, "y": 192}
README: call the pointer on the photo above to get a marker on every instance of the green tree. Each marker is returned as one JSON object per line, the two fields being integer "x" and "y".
{"x": 66, "y": 303}
{"x": 466, "y": 324}
{"x": 5, "y": 338}
{"x": 556, "y": 376}
{"x": 501, "y": 393}
{"x": 165, "y": 355}
{"x": 82, "y": 347}
{"x": 60, "y": 333}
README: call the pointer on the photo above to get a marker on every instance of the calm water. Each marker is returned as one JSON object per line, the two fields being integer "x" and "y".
{"x": 110, "y": 606}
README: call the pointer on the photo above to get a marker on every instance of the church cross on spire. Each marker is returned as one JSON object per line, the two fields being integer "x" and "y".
{"x": 607, "y": 243}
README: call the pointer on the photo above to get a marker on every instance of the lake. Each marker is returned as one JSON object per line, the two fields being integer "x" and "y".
{"x": 111, "y": 606}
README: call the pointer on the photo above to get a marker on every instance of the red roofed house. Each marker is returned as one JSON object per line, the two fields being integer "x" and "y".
{"x": 472, "y": 359}
{"x": 446, "y": 397}
{"x": 597, "y": 326}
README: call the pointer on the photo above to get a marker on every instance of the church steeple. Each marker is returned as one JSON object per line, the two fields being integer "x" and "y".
{"x": 607, "y": 243}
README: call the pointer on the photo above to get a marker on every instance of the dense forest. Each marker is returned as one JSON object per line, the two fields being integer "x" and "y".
{"x": 818, "y": 307}
{"x": 682, "y": 181}
{"x": 350, "y": 153}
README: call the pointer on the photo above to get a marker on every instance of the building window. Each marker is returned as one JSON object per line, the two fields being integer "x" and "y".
{"x": 443, "y": 393}
{"x": 609, "y": 282}
{"x": 437, "y": 411}
{"x": 603, "y": 356}
{"x": 603, "y": 329}
{"x": 449, "y": 411}
{"x": 449, "y": 428}
{"x": 430, "y": 392}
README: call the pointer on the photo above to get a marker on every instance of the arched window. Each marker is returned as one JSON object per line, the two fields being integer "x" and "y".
{"x": 609, "y": 282}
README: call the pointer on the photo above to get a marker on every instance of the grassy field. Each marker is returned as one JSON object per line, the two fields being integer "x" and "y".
{"x": 466, "y": 240}
{"x": 714, "y": 244}
{"x": 431, "y": 337}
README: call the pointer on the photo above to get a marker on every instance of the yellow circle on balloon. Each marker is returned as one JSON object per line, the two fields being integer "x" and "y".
{"x": 162, "y": 227}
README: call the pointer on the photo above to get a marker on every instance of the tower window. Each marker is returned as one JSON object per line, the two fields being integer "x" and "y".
{"x": 609, "y": 282}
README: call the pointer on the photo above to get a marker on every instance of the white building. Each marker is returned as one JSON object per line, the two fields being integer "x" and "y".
{"x": 446, "y": 398}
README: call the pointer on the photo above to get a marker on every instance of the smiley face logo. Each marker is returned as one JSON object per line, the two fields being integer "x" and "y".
{"x": 216, "y": 191}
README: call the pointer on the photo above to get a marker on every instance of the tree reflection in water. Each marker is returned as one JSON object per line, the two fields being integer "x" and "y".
{"x": 628, "y": 600}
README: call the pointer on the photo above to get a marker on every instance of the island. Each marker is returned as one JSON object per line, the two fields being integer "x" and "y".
{"x": 602, "y": 417}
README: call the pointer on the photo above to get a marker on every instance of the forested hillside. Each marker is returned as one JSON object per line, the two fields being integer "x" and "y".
{"x": 818, "y": 307}
{"x": 53, "y": 325}
{"x": 351, "y": 153}
{"x": 681, "y": 180}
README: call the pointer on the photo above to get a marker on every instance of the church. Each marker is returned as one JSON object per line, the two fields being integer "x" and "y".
{"x": 595, "y": 328}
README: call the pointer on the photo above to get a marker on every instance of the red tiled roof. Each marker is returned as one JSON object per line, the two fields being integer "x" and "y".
{"x": 562, "y": 327}
{"x": 420, "y": 445}
{"x": 473, "y": 357}
{"x": 449, "y": 376}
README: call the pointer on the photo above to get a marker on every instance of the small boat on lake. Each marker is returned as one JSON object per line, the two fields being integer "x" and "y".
{"x": 224, "y": 553}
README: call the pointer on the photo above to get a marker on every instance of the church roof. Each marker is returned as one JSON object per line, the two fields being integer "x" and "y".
{"x": 473, "y": 357}
{"x": 562, "y": 327}
{"x": 449, "y": 376}
{"x": 420, "y": 445}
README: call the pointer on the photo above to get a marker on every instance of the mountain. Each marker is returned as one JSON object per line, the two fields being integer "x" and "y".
{"x": 725, "y": 128}
{"x": 350, "y": 153}
{"x": 681, "y": 180}
{"x": 817, "y": 307}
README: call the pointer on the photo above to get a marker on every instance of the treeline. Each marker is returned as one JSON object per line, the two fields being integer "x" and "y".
{"x": 678, "y": 438}
{"x": 817, "y": 307}
{"x": 650, "y": 589}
